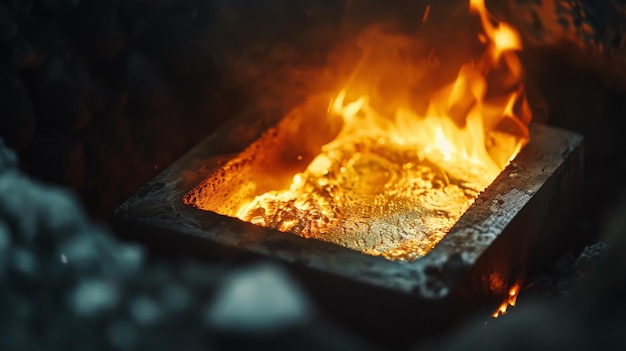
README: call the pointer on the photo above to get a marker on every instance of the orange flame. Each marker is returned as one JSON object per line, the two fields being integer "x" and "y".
{"x": 510, "y": 300}
{"x": 437, "y": 133}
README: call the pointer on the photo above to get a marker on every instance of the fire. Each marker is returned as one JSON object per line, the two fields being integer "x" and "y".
{"x": 400, "y": 167}
{"x": 435, "y": 131}
{"x": 510, "y": 300}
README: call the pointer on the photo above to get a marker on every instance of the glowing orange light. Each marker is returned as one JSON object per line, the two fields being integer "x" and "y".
{"x": 510, "y": 300}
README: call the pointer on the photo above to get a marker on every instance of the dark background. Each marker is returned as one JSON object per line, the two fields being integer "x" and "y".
{"x": 98, "y": 96}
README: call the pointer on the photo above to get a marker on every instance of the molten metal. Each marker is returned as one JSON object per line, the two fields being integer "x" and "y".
{"x": 395, "y": 178}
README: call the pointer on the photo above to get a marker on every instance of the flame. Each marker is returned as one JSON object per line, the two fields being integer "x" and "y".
{"x": 435, "y": 132}
{"x": 510, "y": 300}
{"x": 397, "y": 150}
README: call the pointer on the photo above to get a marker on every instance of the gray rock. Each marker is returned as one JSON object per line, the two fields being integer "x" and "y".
{"x": 175, "y": 298}
{"x": 259, "y": 299}
{"x": 24, "y": 261}
{"x": 590, "y": 256}
{"x": 52, "y": 213}
{"x": 145, "y": 311}
{"x": 14, "y": 201}
{"x": 129, "y": 259}
{"x": 81, "y": 252}
{"x": 93, "y": 296}
{"x": 8, "y": 159}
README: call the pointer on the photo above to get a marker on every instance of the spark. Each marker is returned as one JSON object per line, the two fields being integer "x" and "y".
{"x": 426, "y": 13}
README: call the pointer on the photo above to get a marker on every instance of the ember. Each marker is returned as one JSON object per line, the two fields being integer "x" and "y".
{"x": 396, "y": 177}
{"x": 509, "y": 300}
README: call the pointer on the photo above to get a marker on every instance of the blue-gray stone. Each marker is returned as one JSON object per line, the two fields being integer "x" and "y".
{"x": 93, "y": 296}
{"x": 129, "y": 259}
{"x": 80, "y": 251}
{"x": 49, "y": 210}
{"x": 8, "y": 159}
{"x": 24, "y": 261}
{"x": 258, "y": 299}
{"x": 175, "y": 298}
{"x": 590, "y": 256}
{"x": 145, "y": 311}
